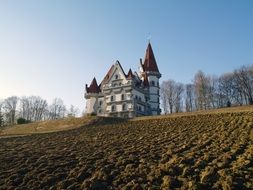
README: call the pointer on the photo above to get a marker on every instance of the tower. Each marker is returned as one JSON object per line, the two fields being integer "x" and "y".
{"x": 93, "y": 92}
{"x": 150, "y": 72}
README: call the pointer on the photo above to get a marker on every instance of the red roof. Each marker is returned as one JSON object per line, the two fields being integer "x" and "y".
{"x": 93, "y": 88}
{"x": 129, "y": 74}
{"x": 107, "y": 76}
{"x": 150, "y": 62}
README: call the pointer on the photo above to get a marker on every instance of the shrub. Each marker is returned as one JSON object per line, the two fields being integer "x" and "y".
{"x": 22, "y": 121}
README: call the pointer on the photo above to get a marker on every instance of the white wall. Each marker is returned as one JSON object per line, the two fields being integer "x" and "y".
{"x": 91, "y": 105}
{"x": 154, "y": 93}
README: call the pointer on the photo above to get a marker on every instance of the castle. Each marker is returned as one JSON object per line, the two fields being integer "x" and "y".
{"x": 126, "y": 95}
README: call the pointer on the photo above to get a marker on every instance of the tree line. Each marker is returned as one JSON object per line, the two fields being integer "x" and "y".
{"x": 208, "y": 92}
{"x": 32, "y": 108}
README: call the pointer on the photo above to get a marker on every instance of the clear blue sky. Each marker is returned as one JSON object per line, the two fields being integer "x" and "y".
{"x": 51, "y": 48}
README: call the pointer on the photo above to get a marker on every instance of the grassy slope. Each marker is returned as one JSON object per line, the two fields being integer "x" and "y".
{"x": 46, "y": 126}
{"x": 211, "y": 111}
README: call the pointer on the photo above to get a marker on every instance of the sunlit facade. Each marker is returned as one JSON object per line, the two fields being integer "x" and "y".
{"x": 126, "y": 95}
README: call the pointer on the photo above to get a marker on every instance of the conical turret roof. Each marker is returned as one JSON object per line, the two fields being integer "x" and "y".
{"x": 93, "y": 88}
{"x": 149, "y": 61}
{"x": 129, "y": 74}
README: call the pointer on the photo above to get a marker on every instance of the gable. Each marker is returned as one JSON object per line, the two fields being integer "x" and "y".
{"x": 117, "y": 75}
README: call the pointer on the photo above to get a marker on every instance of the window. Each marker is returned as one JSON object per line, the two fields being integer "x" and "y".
{"x": 113, "y": 108}
{"x": 122, "y": 97}
{"x": 116, "y": 77}
{"x": 124, "y": 107}
{"x": 152, "y": 83}
{"x": 100, "y": 102}
{"x": 112, "y": 98}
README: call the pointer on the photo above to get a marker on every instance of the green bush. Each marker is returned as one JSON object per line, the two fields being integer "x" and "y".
{"x": 22, "y": 121}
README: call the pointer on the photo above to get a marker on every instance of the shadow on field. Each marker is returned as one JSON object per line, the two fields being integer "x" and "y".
{"x": 106, "y": 121}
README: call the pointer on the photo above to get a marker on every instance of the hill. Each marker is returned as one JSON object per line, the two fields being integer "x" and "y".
{"x": 205, "y": 150}
{"x": 46, "y": 126}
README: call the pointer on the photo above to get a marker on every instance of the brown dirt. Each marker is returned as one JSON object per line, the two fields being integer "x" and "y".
{"x": 204, "y": 151}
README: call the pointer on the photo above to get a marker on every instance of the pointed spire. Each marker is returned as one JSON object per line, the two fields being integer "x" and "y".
{"x": 150, "y": 62}
{"x": 93, "y": 88}
{"x": 130, "y": 74}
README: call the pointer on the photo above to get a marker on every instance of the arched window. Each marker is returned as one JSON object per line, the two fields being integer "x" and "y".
{"x": 122, "y": 97}
{"x": 124, "y": 107}
{"x": 112, "y": 98}
{"x": 113, "y": 108}
{"x": 116, "y": 77}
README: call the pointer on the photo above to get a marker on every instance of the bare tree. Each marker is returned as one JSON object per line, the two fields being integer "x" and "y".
{"x": 169, "y": 90}
{"x": 244, "y": 78}
{"x": 201, "y": 90}
{"x": 9, "y": 106}
{"x": 57, "y": 109}
{"x": 171, "y": 93}
{"x": 164, "y": 97}
{"x": 73, "y": 111}
{"x": 212, "y": 84}
{"x": 32, "y": 108}
{"x": 190, "y": 97}
{"x": 229, "y": 90}
{"x": 179, "y": 87}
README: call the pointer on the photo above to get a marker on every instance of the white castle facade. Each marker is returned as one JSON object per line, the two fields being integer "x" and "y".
{"x": 126, "y": 95}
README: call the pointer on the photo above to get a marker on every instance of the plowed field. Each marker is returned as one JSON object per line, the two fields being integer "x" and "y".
{"x": 202, "y": 151}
